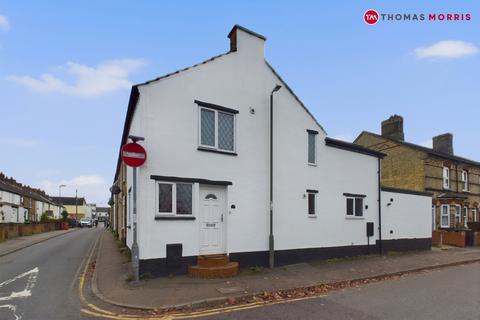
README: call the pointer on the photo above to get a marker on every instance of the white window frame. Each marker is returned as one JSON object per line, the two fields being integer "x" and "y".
{"x": 215, "y": 147}
{"x": 447, "y": 215}
{"x": 434, "y": 211}
{"x": 465, "y": 215}
{"x": 314, "y": 204}
{"x": 314, "y": 163}
{"x": 174, "y": 200}
{"x": 464, "y": 180}
{"x": 446, "y": 178}
{"x": 474, "y": 214}
{"x": 458, "y": 214}
{"x": 353, "y": 216}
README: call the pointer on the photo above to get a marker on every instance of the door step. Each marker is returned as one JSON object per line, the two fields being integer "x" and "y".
{"x": 213, "y": 266}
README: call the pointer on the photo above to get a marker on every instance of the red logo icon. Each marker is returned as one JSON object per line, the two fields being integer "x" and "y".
{"x": 370, "y": 16}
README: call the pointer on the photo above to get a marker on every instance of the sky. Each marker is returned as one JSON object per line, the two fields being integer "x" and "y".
{"x": 66, "y": 69}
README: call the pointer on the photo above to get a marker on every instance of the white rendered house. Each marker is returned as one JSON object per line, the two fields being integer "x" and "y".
{"x": 206, "y": 186}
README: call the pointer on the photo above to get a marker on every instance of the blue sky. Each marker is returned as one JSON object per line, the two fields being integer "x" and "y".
{"x": 66, "y": 68}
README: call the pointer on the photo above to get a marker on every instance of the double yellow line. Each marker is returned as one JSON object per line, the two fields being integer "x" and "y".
{"x": 95, "y": 311}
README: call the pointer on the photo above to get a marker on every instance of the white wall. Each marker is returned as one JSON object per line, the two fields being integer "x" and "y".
{"x": 167, "y": 117}
{"x": 407, "y": 217}
{"x": 11, "y": 205}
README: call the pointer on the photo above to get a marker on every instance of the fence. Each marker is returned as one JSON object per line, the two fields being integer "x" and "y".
{"x": 12, "y": 230}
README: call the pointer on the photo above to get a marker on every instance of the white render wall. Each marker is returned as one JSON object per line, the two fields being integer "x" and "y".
{"x": 167, "y": 117}
{"x": 407, "y": 217}
{"x": 8, "y": 214}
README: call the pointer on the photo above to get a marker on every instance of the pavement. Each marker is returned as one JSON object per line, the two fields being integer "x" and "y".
{"x": 18, "y": 243}
{"x": 40, "y": 281}
{"x": 112, "y": 272}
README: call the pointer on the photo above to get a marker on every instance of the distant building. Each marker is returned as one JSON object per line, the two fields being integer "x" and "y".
{"x": 76, "y": 207}
{"x": 102, "y": 213}
{"x": 453, "y": 180}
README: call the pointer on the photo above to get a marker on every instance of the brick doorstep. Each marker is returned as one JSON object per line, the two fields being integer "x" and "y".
{"x": 222, "y": 299}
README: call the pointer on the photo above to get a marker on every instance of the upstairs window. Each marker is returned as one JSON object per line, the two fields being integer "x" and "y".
{"x": 217, "y": 128}
{"x": 464, "y": 180}
{"x": 312, "y": 146}
{"x": 446, "y": 178}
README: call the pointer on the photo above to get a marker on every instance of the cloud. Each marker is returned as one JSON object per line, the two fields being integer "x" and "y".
{"x": 16, "y": 142}
{"x": 4, "y": 24}
{"x": 93, "y": 187}
{"x": 426, "y": 144}
{"x": 448, "y": 49}
{"x": 82, "y": 80}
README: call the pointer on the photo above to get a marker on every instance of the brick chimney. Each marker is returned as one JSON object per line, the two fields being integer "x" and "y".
{"x": 393, "y": 128}
{"x": 443, "y": 143}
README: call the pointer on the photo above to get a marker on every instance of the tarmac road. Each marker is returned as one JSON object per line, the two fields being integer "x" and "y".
{"x": 39, "y": 282}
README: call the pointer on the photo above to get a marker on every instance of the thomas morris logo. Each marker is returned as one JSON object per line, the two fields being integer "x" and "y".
{"x": 372, "y": 17}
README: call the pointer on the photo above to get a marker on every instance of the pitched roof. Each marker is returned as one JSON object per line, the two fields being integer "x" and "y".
{"x": 352, "y": 147}
{"x": 69, "y": 201}
{"x": 134, "y": 94}
{"x": 429, "y": 151}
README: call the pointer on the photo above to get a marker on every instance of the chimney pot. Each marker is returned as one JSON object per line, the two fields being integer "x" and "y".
{"x": 443, "y": 143}
{"x": 393, "y": 128}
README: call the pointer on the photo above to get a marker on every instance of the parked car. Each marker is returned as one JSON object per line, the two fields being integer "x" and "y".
{"x": 85, "y": 222}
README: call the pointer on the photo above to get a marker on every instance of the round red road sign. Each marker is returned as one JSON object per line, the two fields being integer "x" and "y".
{"x": 370, "y": 16}
{"x": 133, "y": 155}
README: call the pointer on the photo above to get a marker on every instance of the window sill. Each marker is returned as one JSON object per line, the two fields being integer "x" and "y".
{"x": 163, "y": 217}
{"x": 216, "y": 151}
{"x": 312, "y": 164}
{"x": 354, "y": 218}
{"x": 312, "y": 216}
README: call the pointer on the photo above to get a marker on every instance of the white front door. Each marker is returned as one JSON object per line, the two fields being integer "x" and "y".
{"x": 212, "y": 215}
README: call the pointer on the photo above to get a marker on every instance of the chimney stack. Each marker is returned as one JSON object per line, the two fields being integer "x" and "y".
{"x": 443, "y": 143}
{"x": 393, "y": 128}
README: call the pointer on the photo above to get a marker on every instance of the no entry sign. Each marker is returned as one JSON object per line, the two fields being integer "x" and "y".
{"x": 133, "y": 154}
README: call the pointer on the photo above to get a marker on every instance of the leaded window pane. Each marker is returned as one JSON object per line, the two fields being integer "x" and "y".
{"x": 349, "y": 207}
{"x": 207, "y": 127}
{"x": 164, "y": 197}
{"x": 225, "y": 131}
{"x": 311, "y": 147}
{"x": 184, "y": 198}
{"x": 358, "y": 207}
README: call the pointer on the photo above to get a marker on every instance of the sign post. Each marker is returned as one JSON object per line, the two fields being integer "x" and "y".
{"x": 134, "y": 155}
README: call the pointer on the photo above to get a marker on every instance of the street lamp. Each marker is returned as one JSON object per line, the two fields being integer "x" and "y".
{"x": 60, "y": 196}
{"x": 270, "y": 237}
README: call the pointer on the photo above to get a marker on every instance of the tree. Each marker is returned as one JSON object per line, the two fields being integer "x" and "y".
{"x": 64, "y": 215}
{"x": 44, "y": 217}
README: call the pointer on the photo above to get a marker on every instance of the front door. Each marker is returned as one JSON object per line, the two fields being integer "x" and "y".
{"x": 212, "y": 215}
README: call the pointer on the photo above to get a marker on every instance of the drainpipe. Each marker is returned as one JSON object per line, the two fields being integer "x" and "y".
{"x": 271, "y": 257}
{"x": 379, "y": 206}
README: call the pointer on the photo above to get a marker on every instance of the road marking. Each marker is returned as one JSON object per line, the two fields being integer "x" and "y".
{"x": 31, "y": 276}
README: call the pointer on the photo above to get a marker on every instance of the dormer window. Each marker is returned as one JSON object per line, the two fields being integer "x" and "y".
{"x": 446, "y": 178}
{"x": 464, "y": 180}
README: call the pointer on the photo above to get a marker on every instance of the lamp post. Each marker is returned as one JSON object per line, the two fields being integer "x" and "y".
{"x": 271, "y": 256}
{"x": 76, "y": 204}
{"x": 60, "y": 195}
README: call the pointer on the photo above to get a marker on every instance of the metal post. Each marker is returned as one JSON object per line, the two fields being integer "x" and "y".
{"x": 76, "y": 205}
{"x": 135, "y": 259}
{"x": 271, "y": 247}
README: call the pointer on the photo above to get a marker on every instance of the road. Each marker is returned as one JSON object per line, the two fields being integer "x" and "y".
{"x": 451, "y": 293}
{"x": 44, "y": 277}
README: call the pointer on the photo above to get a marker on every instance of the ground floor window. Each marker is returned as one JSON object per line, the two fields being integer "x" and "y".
{"x": 174, "y": 198}
{"x": 354, "y": 207}
{"x": 474, "y": 215}
{"x": 458, "y": 215}
{"x": 433, "y": 217}
{"x": 312, "y": 202}
{"x": 465, "y": 216}
{"x": 445, "y": 223}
